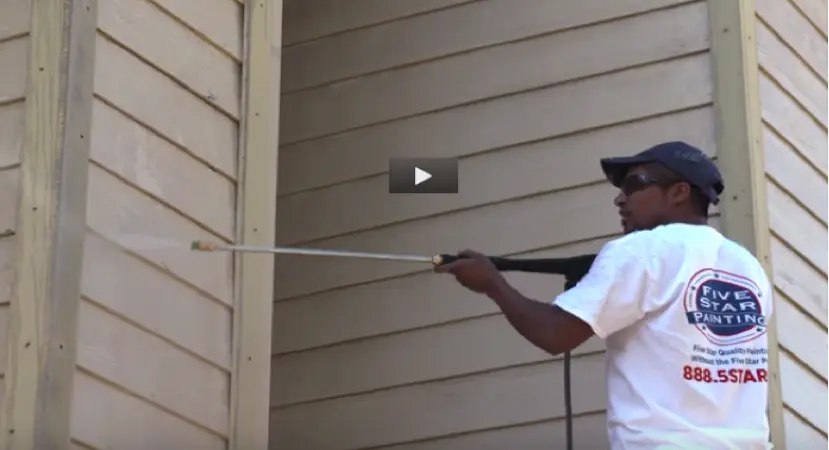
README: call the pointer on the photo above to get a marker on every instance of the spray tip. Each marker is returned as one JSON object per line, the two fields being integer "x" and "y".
{"x": 202, "y": 246}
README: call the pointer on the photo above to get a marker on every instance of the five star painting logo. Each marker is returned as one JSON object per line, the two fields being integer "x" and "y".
{"x": 724, "y": 307}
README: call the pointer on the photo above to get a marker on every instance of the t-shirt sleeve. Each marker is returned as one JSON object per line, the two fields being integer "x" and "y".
{"x": 611, "y": 295}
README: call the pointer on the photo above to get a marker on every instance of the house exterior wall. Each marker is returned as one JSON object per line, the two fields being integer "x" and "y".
{"x": 14, "y": 46}
{"x": 792, "y": 55}
{"x": 154, "y": 326}
{"x": 375, "y": 354}
{"x": 133, "y": 116}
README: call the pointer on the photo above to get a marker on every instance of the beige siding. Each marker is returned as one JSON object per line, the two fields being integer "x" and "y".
{"x": 14, "y": 40}
{"x": 154, "y": 332}
{"x": 370, "y": 354}
{"x": 792, "y": 48}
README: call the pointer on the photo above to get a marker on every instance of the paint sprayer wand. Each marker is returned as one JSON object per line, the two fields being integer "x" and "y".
{"x": 436, "y": 260}
{"x": 573, "y": 269}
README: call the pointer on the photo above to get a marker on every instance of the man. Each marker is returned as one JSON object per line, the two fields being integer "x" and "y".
{"x": 682, "y": 311}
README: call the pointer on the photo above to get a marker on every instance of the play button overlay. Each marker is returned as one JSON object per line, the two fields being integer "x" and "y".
{"x": 423, "y": 176}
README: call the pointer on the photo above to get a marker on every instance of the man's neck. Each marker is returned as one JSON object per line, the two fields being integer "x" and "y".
{"x": 690, "y": 220}
{"x": 686, "y": 220}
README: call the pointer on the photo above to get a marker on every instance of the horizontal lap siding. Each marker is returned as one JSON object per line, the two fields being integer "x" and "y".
{"x": 792, "y": 46}
{"x": 371, "y": 355}
{"x": 14, "y": 57}
{"x": 154, "y": 332}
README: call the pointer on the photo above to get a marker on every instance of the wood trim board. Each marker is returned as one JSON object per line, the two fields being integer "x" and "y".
{"x": 256, "y": 205}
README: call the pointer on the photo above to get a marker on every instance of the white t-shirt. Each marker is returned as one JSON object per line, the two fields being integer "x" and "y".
{"x": 682, "y": 311}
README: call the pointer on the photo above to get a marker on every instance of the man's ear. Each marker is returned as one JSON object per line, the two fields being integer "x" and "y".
{"x": 679, "y": 193}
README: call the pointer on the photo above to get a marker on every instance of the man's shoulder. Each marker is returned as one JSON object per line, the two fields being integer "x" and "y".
{"x": 663, "y": 237}
{"x": 674, "y": 240}
{"x": 672, "y": 234}
{"x": 681, "y": 241}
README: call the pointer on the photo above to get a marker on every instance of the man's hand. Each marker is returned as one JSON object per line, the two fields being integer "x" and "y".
{"x": 475, "y": 272}
{"x": 548, "y": 327}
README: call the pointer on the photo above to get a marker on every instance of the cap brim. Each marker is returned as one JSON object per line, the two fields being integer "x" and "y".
{"x": 615, "y": 169}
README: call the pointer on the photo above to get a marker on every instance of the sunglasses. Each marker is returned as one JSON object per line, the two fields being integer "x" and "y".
{"x": 640, "y": 181}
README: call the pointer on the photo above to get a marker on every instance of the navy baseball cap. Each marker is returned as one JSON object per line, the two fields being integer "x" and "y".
{"x": 689, "y": 162}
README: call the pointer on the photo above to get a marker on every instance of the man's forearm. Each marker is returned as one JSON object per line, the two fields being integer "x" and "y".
{"x": 544, "y": 325}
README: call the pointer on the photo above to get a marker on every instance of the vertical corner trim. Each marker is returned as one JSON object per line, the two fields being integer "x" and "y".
{"x": 51, "y": 226}
{"x": 740, "y": 156}
{"x": 256, "y": 211}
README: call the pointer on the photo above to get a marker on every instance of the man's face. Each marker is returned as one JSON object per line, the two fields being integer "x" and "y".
{"x": 642, "y": 203}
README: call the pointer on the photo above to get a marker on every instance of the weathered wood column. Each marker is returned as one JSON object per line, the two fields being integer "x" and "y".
{"x": 50, "y": 225}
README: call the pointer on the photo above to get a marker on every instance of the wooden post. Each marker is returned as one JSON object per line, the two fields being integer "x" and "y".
{"x": 51, "y": 226}
{"x": 744, "y": 206}
{"x": 256, "y": 207}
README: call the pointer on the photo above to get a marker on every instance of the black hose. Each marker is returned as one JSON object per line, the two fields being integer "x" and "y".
{"x": 568, "y": 402}
{"x": 573, "y": 269}
{"x": 568, "y": 387}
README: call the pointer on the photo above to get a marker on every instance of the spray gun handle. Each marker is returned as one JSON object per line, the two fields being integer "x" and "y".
{"x": 444, "y": 258}
{"x": 500, "y": 263}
